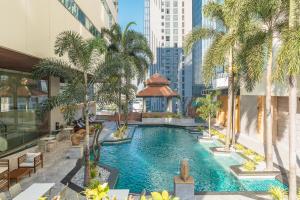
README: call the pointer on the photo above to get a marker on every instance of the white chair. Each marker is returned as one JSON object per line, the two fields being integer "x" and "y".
{"x": 15, "y": 190}
{"x": 3, "y": 196}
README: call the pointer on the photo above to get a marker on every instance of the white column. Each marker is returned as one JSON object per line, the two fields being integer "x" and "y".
{"x": 55, "y": 114}
{"x": 144, "y": 105}
{"x": 169, "y": 104}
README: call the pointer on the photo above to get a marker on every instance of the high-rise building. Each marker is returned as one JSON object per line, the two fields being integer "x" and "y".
{"x": 166, "y": 23}
{"x": 201, "y": 47}
{"x": 31, "y": 28}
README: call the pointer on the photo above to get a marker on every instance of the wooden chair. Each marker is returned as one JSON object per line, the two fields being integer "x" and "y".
{"x": 31, "y": 160}
{"x": 4, "y": 174}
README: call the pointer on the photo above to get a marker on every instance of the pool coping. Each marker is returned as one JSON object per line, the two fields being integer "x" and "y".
{"x": 112, "y": 179}
{"x": 235, "y": 169}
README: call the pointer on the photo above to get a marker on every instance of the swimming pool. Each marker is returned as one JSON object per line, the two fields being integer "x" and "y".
{"x": 152, "y": 160}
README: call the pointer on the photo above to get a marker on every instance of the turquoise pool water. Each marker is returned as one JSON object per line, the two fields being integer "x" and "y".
{"x": 152, "y": 160}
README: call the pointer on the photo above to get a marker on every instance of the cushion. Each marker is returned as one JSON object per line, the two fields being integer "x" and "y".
{"x": 25, "y": 164}
{"x": 30, "y": 157}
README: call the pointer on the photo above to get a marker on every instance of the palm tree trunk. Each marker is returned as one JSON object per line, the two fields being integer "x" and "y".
{"x": 292, "y": 136}
{"x": 268, "y": 116}
{"x": 230, "y": 92}
{"x": 87, "y": 136}
{"x": 209, "y": 126}
{"x": 292, "y": 114}
{"x": 233, "y": 120}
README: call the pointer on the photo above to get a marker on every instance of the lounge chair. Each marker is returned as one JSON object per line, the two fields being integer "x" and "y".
{"x": 15, "y": 190}
{"x": 31, "y": 160}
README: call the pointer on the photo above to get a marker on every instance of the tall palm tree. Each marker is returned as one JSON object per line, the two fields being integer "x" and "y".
{"x": 84, "y": 55}
{"x": 224, "y": 49}
{"x": 269, "y": 17}
{"x": 288, "y": 68}
{"x": 133, "y": 48}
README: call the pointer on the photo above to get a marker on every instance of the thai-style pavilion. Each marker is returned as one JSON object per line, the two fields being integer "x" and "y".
{"x": 157, "y": 86}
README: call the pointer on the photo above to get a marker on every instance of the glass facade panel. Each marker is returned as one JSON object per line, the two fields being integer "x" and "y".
{"x": 20, "y": 120}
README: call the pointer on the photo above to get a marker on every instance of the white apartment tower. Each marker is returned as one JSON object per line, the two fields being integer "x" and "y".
{"x": 165, "y": 24}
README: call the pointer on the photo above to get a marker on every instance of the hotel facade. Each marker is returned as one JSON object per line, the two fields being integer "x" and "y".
{"x": 30, "y": 28}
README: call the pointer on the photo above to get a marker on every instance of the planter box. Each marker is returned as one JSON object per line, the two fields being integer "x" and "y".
{"x": 241, "y": 174}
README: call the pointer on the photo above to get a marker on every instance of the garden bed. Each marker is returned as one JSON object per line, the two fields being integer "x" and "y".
{"x": 74, "y": 179}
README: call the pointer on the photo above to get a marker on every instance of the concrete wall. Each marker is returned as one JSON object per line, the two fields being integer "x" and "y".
{"x": 249, "y": 136}
{"x": 31, "y": 26}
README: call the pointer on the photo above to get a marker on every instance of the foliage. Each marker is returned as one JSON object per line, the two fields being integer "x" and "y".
{"x": 277, "y": 193}
{"x": 258, "y": 158}
{"x": 94, "y": 183}
{"x": 120, "y": 132}
{"x": 239, "y": 147}
{"x": 248, "y": 152}
{"x": 208, "y": 106}
{"x": 98, "y": 193}
{"x": 131, "y": 51}
{"x": 200, "y": 128}
{"x": 288, "y": 60}
{"x": 84, "y": 56}
{"x": 249, "y": 166}
{"x": 69, "y": 113}
{"x": 160, "y": 196}
{"x": 93, "y": 172}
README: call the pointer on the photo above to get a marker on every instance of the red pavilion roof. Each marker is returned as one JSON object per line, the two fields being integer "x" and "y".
{"x": 157, "y": 79}
{"x": 157, "y": 86}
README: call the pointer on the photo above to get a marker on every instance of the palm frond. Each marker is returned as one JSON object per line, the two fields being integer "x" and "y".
{"x": 53, "y": 67}
{"x": 288, "y": 60}
{"x": 196, "y": 35}
{"x": 74, "y": 45}
{"x": 214, "y": 11}
{"x": 252, "y": 58}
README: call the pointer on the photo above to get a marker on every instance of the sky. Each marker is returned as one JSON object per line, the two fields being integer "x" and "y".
{"x": 131, "y": 10}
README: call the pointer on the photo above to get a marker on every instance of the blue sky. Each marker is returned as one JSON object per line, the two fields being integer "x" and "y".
{"x": 131, "y": 10}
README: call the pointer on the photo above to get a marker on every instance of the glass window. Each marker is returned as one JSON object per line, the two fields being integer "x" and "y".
{"x": 20, "y": 119}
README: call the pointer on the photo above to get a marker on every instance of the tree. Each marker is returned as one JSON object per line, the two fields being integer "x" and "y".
{"x": 287, "y": 69}
{"x": 132, "y": 47}
{"x": 224, "y": 49}
{"x": 84, "y": 55}
{"x": 208, "y": 107}
{"x": 269, "y": 16}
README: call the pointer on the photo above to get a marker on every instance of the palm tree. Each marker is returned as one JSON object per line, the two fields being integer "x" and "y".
{"x": 269, "y": 17}
{"x": 224, "y": 49}
{"x": 133, "y": 48}
{"x": 84, "y": 55}
{"x": 289, "y": 67}
{"x": 208, "y": 106}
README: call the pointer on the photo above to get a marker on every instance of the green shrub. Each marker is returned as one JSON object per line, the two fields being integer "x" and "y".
{"x": 120, "y": 132}
{"x": 93, "y": 184}
{"x": 249, "y": 166}
{"x": 277, "y": 193}
{"x": 93, "y": 172}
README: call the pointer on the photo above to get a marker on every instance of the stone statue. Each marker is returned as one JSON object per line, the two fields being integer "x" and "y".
{"x": 184, "y": 170}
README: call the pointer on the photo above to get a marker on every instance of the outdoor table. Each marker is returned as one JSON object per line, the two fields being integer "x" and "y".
{"x": 35, "y": 191}
{"x": 48, "y": 138}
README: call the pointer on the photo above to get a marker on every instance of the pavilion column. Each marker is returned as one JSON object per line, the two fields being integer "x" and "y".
{"x": 169, "y": 104}
{"x": 144, "y": 104}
